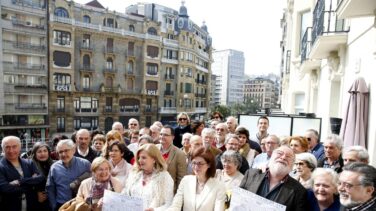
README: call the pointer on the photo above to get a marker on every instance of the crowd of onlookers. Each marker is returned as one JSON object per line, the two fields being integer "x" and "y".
{"x": 190, "y": 167}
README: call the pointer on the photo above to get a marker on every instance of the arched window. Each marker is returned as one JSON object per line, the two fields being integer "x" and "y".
{"x": 86, "y": 19}
{"x": 152, "y": 31}
{"x": 61, "y": 12}
{"x": 131, "y": 28}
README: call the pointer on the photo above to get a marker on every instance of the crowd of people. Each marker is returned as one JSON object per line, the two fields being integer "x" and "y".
{"x": 190, "y": 167}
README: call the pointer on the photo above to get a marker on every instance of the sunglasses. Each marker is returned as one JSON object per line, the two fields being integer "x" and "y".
{"x": 181, "y": 119}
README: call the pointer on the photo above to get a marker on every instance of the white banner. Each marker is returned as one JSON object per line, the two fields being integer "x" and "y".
{"x": 113, "y": 201}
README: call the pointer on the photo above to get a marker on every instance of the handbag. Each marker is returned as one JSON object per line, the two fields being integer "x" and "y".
{"x": 75, "y": 205}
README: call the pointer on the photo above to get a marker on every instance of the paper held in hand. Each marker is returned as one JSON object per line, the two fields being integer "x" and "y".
{"x": 119, "y": 202}
{"x": 243, "y": 200}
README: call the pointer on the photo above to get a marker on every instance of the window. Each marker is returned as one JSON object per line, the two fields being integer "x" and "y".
{"x": 86, "y": 61}
{"x": 170, "y": 36}
{"x": 151, "y": 87}
{"x": 148, "y": 104}
{"x": 110, "y": 22}
{"x": 86, "y": 19}
{"x": 90, "y": 123}
{"x": 188, "y": 88}
{"x": 188, "y": 71}
{"x": 131, "y": 28}
{"x": 299, "y": 103}
{"x": 60, "y": 124}
{"x": 62, "y": 37}
{"x": 152, "y": 51}
{"x": 129, "y": 84}
{"x": 86, "y": 82}
{"x": 109, "y": 64}
{"x": 152, "y": 31}
{"x": 85, "y": 104}
{"x": 62, "y": 82}
{"x": 61, "y": 12}
{"x": 304, "y": 24}
{"x": 170, "y": 54}
{"x": 130, "y": 67}
{"x": 131, "y": 49}
{"x": 108, "y": 107}
{"x": 60, "y": 104}
{"x": 61, "y": 59}
{"x": 152, "y": 69}
{"x": 86, "y": 41}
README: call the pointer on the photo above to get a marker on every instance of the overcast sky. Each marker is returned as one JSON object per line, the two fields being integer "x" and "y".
{"x": 246, "y": 25}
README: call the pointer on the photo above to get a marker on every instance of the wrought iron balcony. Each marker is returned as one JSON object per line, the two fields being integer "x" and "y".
{"x": 16, "y": 67}
{"x": 86, "y": 46}
{"x": 24, "y": 47}
{"x": 87, "y": 68}
{"x": 168, "y": 93}
{"x": 169, "y": 76}
{"x": 129, "y": 109}
{"x": 355, "y": 8}
{"x": 305, "y": 45}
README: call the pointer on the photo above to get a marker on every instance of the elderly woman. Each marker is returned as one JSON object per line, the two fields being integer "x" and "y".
{"x": 183, "y": 127}
{"x": 230, "y": 174}
{"x": 186, "y": 144}
{"x": 200, "y": 192}
{"x": 305, "y": 164}
{"x": 120, "y": 167}
{"x": 299, "y": 144}
{"x": 150, "y": 179}
{"x": 92, "y": 189}
{"x": 325, "y": 192}
{"x": 40, "y": 155}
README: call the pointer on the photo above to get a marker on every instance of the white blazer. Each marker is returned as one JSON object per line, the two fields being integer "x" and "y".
{"x": 212, "y": 197}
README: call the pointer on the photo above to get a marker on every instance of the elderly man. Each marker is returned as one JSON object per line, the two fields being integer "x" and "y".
{"x": 221, "y": 132}
{"x": 155, "y": 130}
{"x": 357, "y": 187}
{"x": 232, "y": 143}
{"x": 332, "y": 149}
{"x": 17, "y": 178}
{"x": 317, "y": 149}
{"x": 118, "y": 126}
{"x": 232, "y": 123}
{"x": 195, "y": 141}
{"x": 262, "y": 126}
{"x": 275, "y": 184}
{"x": 355, "y": 154}
{"x": 174, "y": 157}
{"x": 65, "y": 174}
{"x": 208, "y": 135}
{"x": 261, "y": 160}
{"x": 133, "y": 124}
{"x": 84, "y": 150}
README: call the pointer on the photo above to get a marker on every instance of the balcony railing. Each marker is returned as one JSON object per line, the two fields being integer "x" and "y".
{"x": 24, "y": 47}
{"x": 169, "y": 76}
{"x": 200, "y": 95}
{"x": 86, "y": 46}
{"x": 28, "y": 3}
{"x": 17, "y": 67}
{"x": 109, "y": 70}
{"x": 129, "y": 109}
{"x": 25, "y": 108}
{"x": 305, "y": 44}
{"x": 109, "y": 50}
{"x": 25, "y": 85}
{"x": 325, "y": 21}
{"x": 28, "y": 25}
{"x": 167, "y": 110}
{"x": 87, "y": 68}
{"x": 168, "y": 93}
{"x": 109, "y": 109}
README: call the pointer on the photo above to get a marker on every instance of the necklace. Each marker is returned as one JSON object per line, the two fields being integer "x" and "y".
{"x": 200, "y": 186}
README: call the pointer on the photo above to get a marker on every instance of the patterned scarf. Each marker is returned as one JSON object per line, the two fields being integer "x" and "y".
{"x": 98, "y": 188}
{"x": 244, "y": 150}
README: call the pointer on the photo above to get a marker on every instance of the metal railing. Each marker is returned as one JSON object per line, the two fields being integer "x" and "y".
{"x": 28, "y": 24}
{"x": 169, "y": 76}
{"x": 168, "y": 93}
{"x": 29, "y": 3}
{"x": 325, "y": 21}
{"x": 305, "y": 45}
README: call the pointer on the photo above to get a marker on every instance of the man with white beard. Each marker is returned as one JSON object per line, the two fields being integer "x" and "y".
{"x": 357, "y": 187}
{"x": 275, "y": 184}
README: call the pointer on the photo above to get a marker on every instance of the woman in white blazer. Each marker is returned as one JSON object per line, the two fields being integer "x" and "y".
{"x": 200, "y": 192}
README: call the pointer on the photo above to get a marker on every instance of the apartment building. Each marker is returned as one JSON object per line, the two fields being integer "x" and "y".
{"x": 23, "y": 69}
{"x": 262, "y": 90}
{"x": 326, "y": 45}
{"x": 105, "y": 66}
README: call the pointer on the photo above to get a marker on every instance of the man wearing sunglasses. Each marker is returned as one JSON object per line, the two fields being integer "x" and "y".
{"x": 317, "y": 149}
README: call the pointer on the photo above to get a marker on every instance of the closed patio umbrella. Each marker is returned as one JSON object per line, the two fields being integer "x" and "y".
{"x": 355, "y": 118}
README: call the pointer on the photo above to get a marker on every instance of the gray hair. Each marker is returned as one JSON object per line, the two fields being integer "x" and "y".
{"x": 209, "y": 132}
{"x": 186, "y": 135}
{"x": 231, "y": 136}
{"x": 146, "y": 137}
{"x": 361, "y": 152}
{"x": 367, "y": 174}
{"x": 232, "y": 156}
{"x": 8, "y": 138}
{"x": 334, "y": 139}
{"x": 275, "y": 138}
{"x": 117, "y": 123}
{"x": 309, "y": 158}
{"x": 68, "y": 142}
{"x": 325, "y": 171}
{"x": 314, "y": 133}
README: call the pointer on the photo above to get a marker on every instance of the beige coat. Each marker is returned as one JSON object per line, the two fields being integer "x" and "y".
{"x": 212, "y": 197}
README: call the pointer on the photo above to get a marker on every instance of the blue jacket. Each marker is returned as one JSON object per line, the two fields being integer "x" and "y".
{"x": 11, "y": 194}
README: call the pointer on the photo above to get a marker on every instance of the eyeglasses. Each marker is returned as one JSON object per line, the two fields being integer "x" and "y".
{"x": 164, "y": 134}
{"x": 220, "y": 129}
{"x": 299, "y": 163}
{"x": 181, "y": 119}
{"x": 347, "y": 185}
{"x": 309, "y": 139}
{"x": 133, "y": 124}
{"x": 63, "y": 151}
{"x": 198, "y": 164}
